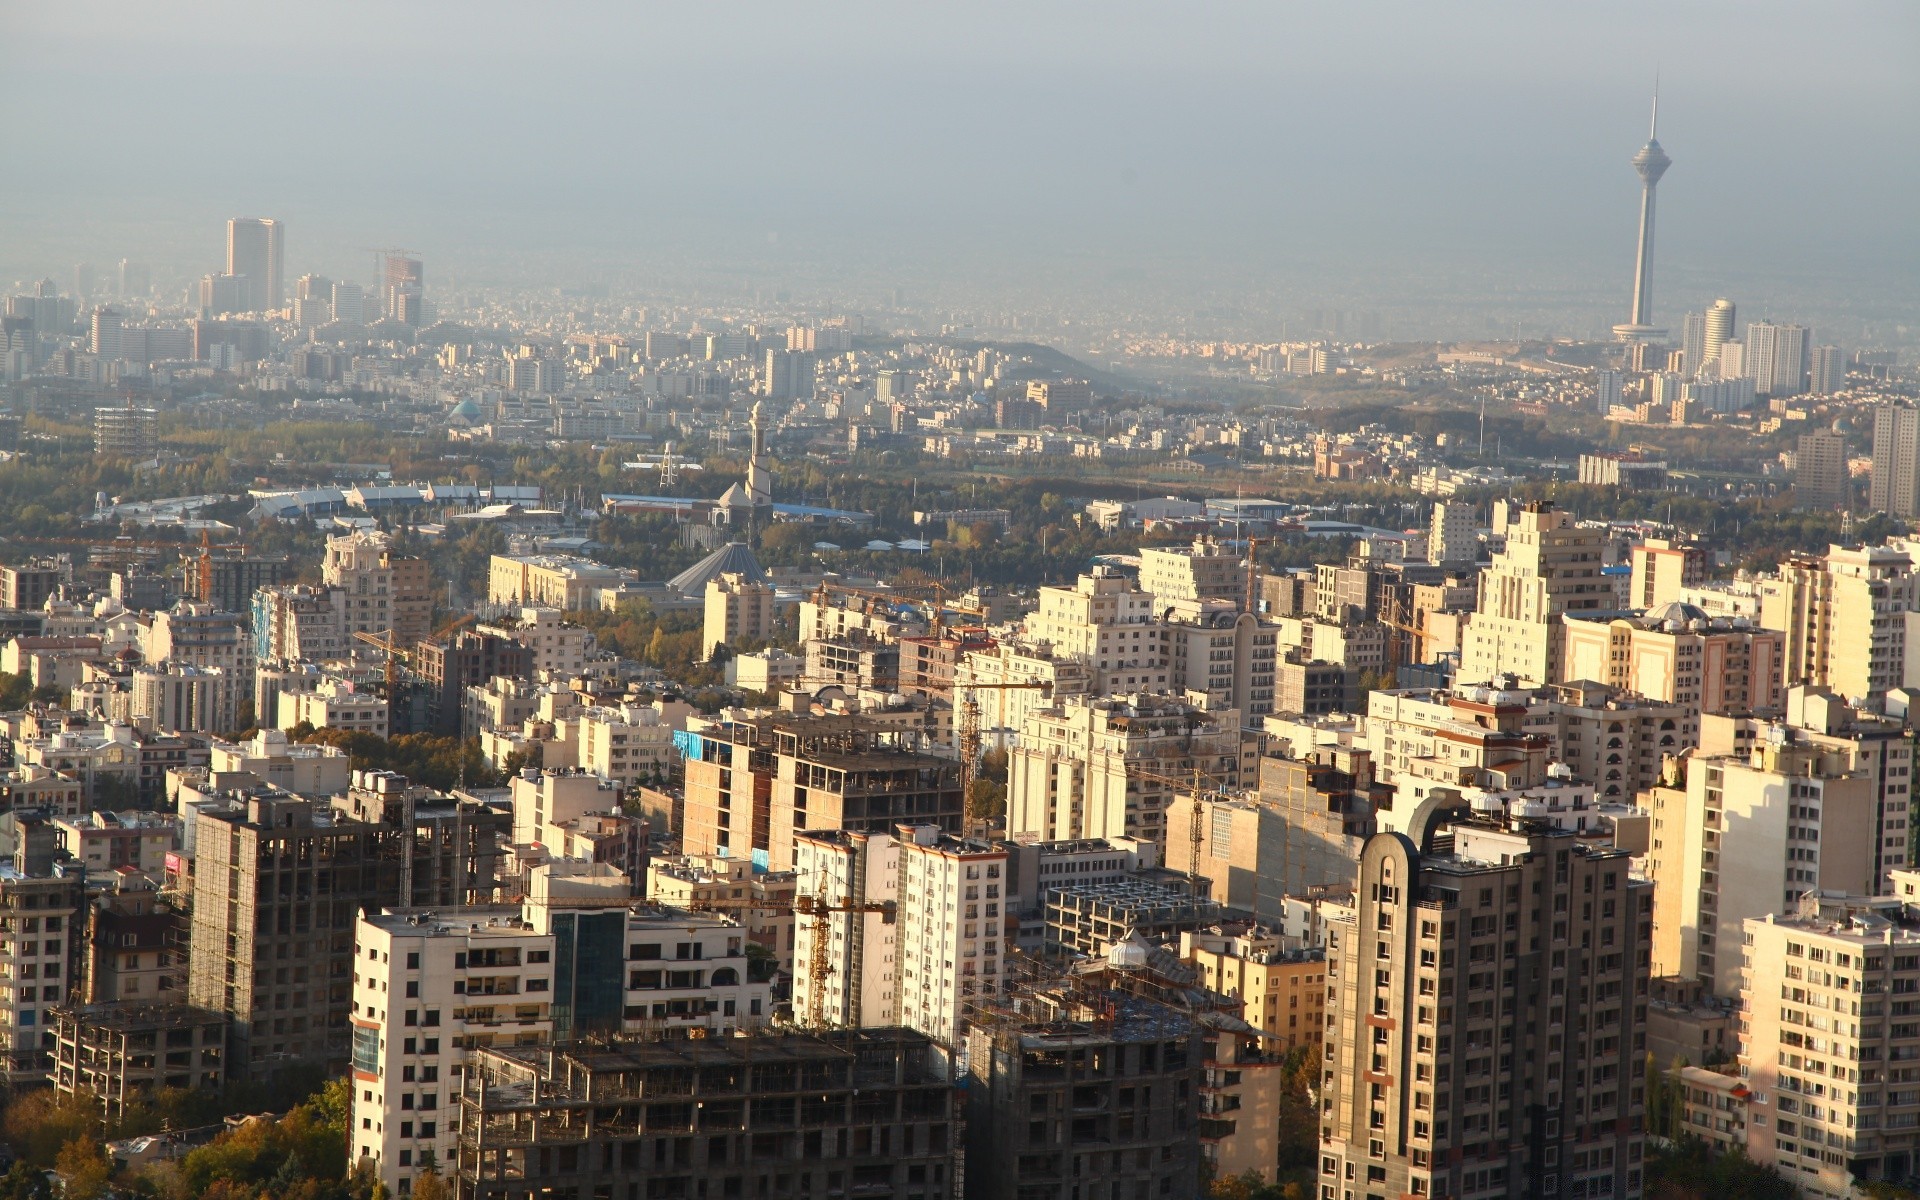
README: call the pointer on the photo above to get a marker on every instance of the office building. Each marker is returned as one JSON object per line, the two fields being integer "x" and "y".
{"x": 1548, "y": 567}
{"x": 1821, "y": 479}
{"x": 1827, "y": 371}
{"x": 256, "y": 253}
{"x": 1777, "y": 359}
{"x": 739, "y": 611}
{"x": 1893, "y": 486}
{"x": 103, "y": 335}
{"x": 348, "y": 304}
{"x": 802, "y": 1115}
{"x": 1650, "y": 164}
{"x": 1487, "y": 986}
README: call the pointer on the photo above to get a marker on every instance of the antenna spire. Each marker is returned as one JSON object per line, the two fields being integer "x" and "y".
{"x": 1653, "y": 126}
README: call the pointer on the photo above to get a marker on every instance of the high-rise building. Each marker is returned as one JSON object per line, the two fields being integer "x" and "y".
{"x": 1663, "y": 568}
{"x": 45, "y": 923}
{"x": 1777, "y": 358}
{"x": 1548, "y": 567}
{"x": 277, "y": 954}
{"x": 1607, "y": 389}
{"x": 221, "y": 295}
{"x": 1677, "y": 654}
{"x": 386, "y": 592}
{"x": 1820, "y": 476}
{"x": 1827, "y": 372}
{"x": 1824, "y": 957}
{"x": 1732, "y": 360}
{"x": 1651, "y": 163}
{"x": 927, "y": 964}
{"x": 400, "y": 275}
{"x": 1846, "y": 616}
{"x": 103, "y": 335}
{"x": 136, "y": 280}
{"x": 1893, "y": 487}
{"x": 1693, "y": 343}
{"x": 1454, "y": 532}
{"x": 1718, "y": 331}
{"x": 1108, "y": 767}
{"x": 349, "y": 304}
{"x": 787, "y": 374}
{"x": 1490, "y": 981}
{"x": 257, "y": 251}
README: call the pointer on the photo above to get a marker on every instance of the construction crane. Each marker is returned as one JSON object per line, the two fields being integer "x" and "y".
{"x": 1192, "y": 781}
{"x": 816, "y": 908}
{"x": 395, "y": 652}
{"x": 967, "y": 729}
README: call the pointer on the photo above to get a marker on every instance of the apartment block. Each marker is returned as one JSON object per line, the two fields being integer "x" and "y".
{"x": 1678, "y": 654}
{"x": 1549, "y": 566}
{"x": 1488, "y": 1036}
{"x": 277, "y": 955}
{"x": 1108, "y": 767}
{"x": 1281, "y": 986}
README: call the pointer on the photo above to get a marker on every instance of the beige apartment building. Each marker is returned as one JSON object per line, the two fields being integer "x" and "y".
{"x": 1678, "y": 654}
{"x": 1549, "y": 567}
{"x": 1109, "y": 767}
{"x": 1767, "y": 813}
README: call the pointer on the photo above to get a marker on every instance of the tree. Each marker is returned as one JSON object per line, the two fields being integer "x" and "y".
{"x": 429, "y": 1186}
{"x": 25, "y": 1182}
{"x": 39, "y": 1124}
{"x": 84, "y": 1164}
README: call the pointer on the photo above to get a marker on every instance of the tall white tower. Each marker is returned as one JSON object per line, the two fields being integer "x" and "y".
{"x": 1651, "y": 163}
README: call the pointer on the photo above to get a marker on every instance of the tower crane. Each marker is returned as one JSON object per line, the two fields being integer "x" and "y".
{"x": 816, "y": 908}
{"x": 396, "y": 653}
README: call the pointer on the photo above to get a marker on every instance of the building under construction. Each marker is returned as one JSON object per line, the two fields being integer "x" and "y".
{"x": 867, "y": 1112}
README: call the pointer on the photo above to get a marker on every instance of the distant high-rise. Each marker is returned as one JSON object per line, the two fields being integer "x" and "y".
{"x": 1719, "y": 329}
{"x": 135, "y": 279}
{"x": 1693, "y": 342}
{"x": 1607, "y": 385}
{"x": 1732, "y": 360}
{"x": 1651, "y": 163}
{"x": 1777, "y": 358}
{"x": 223, "y": 294}
{"x": 1894, "y": 486}
{"x": 349, "y": 303}
{"x": 256, "y": 248}
{"x": 1820, "y": 471}
{"x": 1829, "y": 371}
{"x": 104, "y": 332}
{"x": 400, "y": 275}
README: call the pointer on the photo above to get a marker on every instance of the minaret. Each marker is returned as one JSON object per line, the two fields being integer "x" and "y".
{"x": 759, "y": 475}
{"x": 1651, "y": 163}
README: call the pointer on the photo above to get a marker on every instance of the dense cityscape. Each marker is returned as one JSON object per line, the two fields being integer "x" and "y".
{"x": 467, "y": 736}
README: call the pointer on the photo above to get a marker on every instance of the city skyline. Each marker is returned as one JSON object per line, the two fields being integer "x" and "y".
{"x": 1227, "y": 187}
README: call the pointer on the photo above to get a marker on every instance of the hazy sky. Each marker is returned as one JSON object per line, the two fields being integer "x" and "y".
{"x": 1287, "y": 151}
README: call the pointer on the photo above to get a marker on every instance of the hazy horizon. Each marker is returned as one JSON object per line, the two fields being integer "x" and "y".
{"x": 1233, "y": 158}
